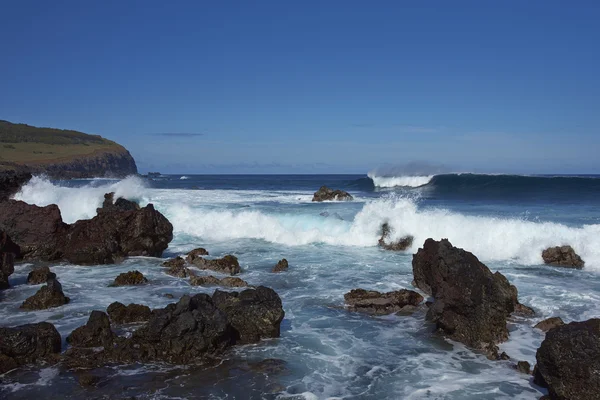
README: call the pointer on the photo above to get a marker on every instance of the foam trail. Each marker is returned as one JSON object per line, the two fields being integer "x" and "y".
{"x": 81, "y": 202}
{"x": 489, "y": 238}
{"x": 394, "y": 181}
{"x": 184, "y": 178}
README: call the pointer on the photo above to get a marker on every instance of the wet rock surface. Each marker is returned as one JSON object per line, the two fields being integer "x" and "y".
{"x": 226, "y": 265}
{"x": 40, "y": 275}
{"x": 386, "y": 243}
{"x": 372, "y": 302}
{"x": 209, "y": 280}
{"x": 471, "y": 304}
{"x": 327, "y": 194}
{"x": 27, "y": 344}
{"x": 11, "y": 182}
{"x": 199, "y": 252}
{"x": 49, "y": 296}
{"x": 121, "y": 204}
{"x": 568, "y": 361}
{"x": 562, "y": 256}
{"x": 9, "y": 251}
{"x": 119, "y": 313}
{"x": 130, "y": 278}
{"x": 282, "y": 265}
{"x": 549, "y": 323}
{"x": 176, "y": 267}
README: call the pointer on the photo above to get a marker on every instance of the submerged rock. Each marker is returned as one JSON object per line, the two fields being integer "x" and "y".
{"x": 327, "y": 194}
{"x": 9, "y": 251}
{"x": 255, "y": 314}
{"x": 281, "y": 266}
{"x": 119, "y": 313}
{"x": 398, "y": 245}
{"x": 568, "y": 361}
{"x": 472, "y": 304}
{"x": 40, "y": 275}
{"x": 549, "y": 323}
{"x": 372, "y": 302}
{"x": 130, "y": 278}
{"x": 28, "y": 344}
{"x": 49, "y": 296}
{"x": 226, "y": 265}
{"x": 562, "y": 256}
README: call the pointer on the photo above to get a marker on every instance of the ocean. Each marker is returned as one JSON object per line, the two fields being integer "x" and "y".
{"x": 324, "y": 350}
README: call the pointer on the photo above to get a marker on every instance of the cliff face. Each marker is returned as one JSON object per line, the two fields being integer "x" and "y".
{"x": 62, "y": 154}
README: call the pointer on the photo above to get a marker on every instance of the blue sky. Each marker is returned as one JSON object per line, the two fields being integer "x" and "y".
{"x": 301, "y": 87}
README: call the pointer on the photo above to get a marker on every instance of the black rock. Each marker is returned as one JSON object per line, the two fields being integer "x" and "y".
{"x": 28, "y": 344}
{"x": 49, "y": 296}
{"x": 40, "y": 275}
{"x": 327, "y": 194}
{"x": 373, "y": 302}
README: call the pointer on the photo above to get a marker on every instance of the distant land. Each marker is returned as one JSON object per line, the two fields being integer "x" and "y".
{"x": 62, "y": 154}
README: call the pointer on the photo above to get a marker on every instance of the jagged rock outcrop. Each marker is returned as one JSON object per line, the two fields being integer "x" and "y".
{"x": 95, "y": 333}
{"x": 568, "y": 361}
{"x": 11, "y": 182}
{"x": 562, "y": 256}
{"x": 130, "y": 278}
{"x": 192, "y": 255}
{"x": 176, "y": 267}
{"x": 393, "y": 245}
{"x": 27, "y": 344}
{"x": 121, "y": 204}
{"x": 326, "y": 194}
{"x": 373, "y": 302}
{"x": 119, "y": 313}
{"x": 209, "y": 280}
{"x": 49, "y": 296}
{"x": 282, "y": 265}
{"x": 9, "y": 251}
{"x": 549, "y": 323}
{"x": 471, "y": 304}
{"x": 107, "y": 238}
{"x": 40, "y": 275}
{"x": 226, "y": 265}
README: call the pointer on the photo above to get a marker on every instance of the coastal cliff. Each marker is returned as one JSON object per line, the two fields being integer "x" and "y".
{"x": 62, "y": 154}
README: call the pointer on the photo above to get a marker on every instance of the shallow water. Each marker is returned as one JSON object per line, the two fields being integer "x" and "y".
{"x": 324, "y": 351}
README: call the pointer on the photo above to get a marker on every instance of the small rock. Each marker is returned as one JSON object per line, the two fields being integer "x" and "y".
{"x": 9, "y": 251}
{"x": 177, "y": 268}
{"x": 398, "y": 245}
{"x": 40, "y": 275}
{"x": 524, "y": 367}
{"x": 95, "y": 333}
{"x": 327, "y": 194}
{"x": 122, "y": 314}
{"x": 169, "y": 296}
{"x": 281, "y": 266}
{"x": 174, "y": 262}
{"x": 373, "y": 302}
{"x": 226, "y": 265}
{"x": 207, "y": 280}
{"x": 232, "y": 281}
{"x": 503, "y": 356}
{"x": 523, "y": 310}
{"x": 129, "y": 279}
{"x": 88, "y": 380}
{"x": 49, "y": 296}
{"x": 562, "y": 256}
{"x": 549, "y": 323}
{"x": 192, "y": 255}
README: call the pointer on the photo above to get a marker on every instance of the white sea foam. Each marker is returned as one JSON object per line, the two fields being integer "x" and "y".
{"x": 394, "y": 181}
{"x": 183, "y": 178}
{"x": 81, "y": 202}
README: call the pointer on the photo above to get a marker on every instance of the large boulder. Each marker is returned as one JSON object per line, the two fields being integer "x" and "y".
{"x": 95, "y": 333}
{"x": 372, "y": 302}
{"x": 119, "y": 313}
{"x": 112, "y": 235}
{"x": 386, "y": 243}
{"x": 40, "y": 275}
{"x": 226, "y": 265}
{"x": 11, "y": 182}
{"x": 27, "y": 344}
{"x": 471, "y": 304}
{"x": 9, "y": 251}
{"x": 562, "y": 256}
{"x": 49, "y": 296}
{"x": 131, "y": 278}
{"x": 327, "y": 194}
{"x": 254, "y": 313}
{"x": 39, "y": 231}
{"x": 568, "y": 361}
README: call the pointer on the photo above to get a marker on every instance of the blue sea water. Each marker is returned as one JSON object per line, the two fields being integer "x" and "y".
{"x": 326, "y": 351}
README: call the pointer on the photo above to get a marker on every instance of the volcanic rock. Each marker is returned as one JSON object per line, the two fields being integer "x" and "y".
{"x": 213, "y": 281}
{"x": 176, "y": 267}
{"x": 562, "y": 256}
{"x": 233, "y": 281}
{"x": 549, "y": 323}
{"x": 471, "y": 303}
{"x": 121, "y": 204}
{"x": 398, "y": 245}
{"x": 130, "y": 278}
{"x": 568, "y": 361}
{"x": 49, "y": 296}
{"x": 254, "y": 313}
{"x": 192, "y": 255}
{"x": 326, "y": 194}
{"x": 372, "y": 302}
{"x": 28, "y": 344}
{"x": 9, "y": 251}
{"x": 226, "y": 265}
{"x": 11, "y": 182}
{"x": 95, "y": 333}
{"x": 40, "y": 275}
{"x": 281, "y": 266}
{"x": 119, "y": 313}
{"x": 523, "y": 367}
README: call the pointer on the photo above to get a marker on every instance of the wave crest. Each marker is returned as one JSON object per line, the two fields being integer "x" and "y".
{"x": 395, "y": 181}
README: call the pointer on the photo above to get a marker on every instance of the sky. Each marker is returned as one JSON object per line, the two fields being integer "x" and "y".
{"x": 313, "y": 86}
